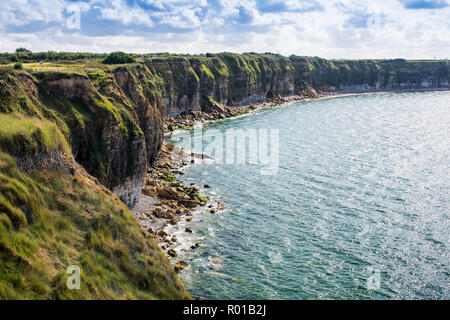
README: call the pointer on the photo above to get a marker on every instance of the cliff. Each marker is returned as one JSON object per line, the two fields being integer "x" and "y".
{"x": 113, "y": 116}
{"x": 368, "y": 75}
{"x": 53, "y": 215}
{"x": 74, "y": 130}
{"x": 229, "y": 79}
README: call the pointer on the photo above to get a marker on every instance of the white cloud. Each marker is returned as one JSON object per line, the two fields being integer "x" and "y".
{"x": 331, "y": 29}
{"x": 183, "y": 18}
{"x": 120, "y": 11}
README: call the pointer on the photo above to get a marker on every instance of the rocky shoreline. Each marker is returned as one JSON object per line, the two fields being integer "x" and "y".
{"x": 215, "y": 111}
{"x": 166, "y": 203}
{"x": 165, "y": 200}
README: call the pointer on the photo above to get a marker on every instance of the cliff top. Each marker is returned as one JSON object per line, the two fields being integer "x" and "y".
{"x": 66, "y": 57}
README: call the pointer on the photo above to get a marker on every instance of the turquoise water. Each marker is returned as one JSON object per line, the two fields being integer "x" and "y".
{"x": 358, "y": 208}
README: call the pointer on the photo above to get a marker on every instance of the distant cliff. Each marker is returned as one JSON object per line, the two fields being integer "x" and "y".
{"x": 113, "y": 116}
{"x": 368, "y": 75}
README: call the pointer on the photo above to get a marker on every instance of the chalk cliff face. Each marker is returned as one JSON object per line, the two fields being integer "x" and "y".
{"x": 368, "y": 75}
{"x": 99, "y": 121}
{"x": 113, "y": 117}
{"x": 229, "y": 79}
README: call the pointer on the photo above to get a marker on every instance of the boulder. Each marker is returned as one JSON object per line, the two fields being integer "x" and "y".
{"x": 149, "y": 191}
{"x": 162, "y": 234}
{"x": 172, "y": 253}
{"x": 166, "y": 192}
{"x": 180, "y": 266}
{"x": 151, "y": 182}
{"x": 273, "y": 96}
{"x": 189, "y": 203}
{"x": 159, "y": 213}
{"x": 220, "y": 206}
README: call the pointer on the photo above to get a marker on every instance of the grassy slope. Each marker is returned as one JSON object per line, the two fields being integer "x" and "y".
{"x": 29, "y": 136}
{"x": 51, "y": 220}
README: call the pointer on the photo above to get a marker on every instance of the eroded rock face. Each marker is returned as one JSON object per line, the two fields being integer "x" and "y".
{"x": 143, "y": 91}
{"x": 99, "y": 123}
{"x": 181, "y": 85}
{"x": 368, "y": 75}
{"x": 230, "y": 80}
{"x": 52, "y": 161}
{"x": 108, "y": 142}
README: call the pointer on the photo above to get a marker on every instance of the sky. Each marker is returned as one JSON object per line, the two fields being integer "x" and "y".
{"x": 410, "y": 29}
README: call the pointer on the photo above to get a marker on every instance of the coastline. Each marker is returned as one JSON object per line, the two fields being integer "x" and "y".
{"x": 167, "y": 205}
{"x": 188, "y": 120}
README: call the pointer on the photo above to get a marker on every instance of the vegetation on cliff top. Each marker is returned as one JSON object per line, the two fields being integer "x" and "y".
{"x": 118, "y": 58}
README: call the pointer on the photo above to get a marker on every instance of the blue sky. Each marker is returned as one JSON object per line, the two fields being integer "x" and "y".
{"x": 330, "y": 29}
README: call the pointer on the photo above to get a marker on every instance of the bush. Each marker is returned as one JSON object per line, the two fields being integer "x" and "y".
{"x": 118, "y": 58}
{"x": 22, "y": 50}
{"x": 18, "y": 66}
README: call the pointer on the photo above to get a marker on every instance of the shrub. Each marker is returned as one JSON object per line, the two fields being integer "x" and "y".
{"x": 18, "y": 66}
{"x": 22, "y": 50}
{"x": 118, "y": 58}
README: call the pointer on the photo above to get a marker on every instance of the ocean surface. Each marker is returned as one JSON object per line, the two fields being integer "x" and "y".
{"x": 355, "y": 204}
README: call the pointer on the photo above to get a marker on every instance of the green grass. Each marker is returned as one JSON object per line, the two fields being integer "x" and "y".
{"x": 29, "y": 136}
{"x": 206, "y": 71}
{"x": 105, "y": 104}
{"x": 51, "y": 220}
{"x": 99, "y": 77}
{"x": 212, "y": 101}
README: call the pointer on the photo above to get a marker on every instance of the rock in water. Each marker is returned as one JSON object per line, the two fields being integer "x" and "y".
{"x": 195, "y": 246}
{"x": 189, "y": 203}
{"x": 180, "y": 266}
{"x": 220, "y": 206}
